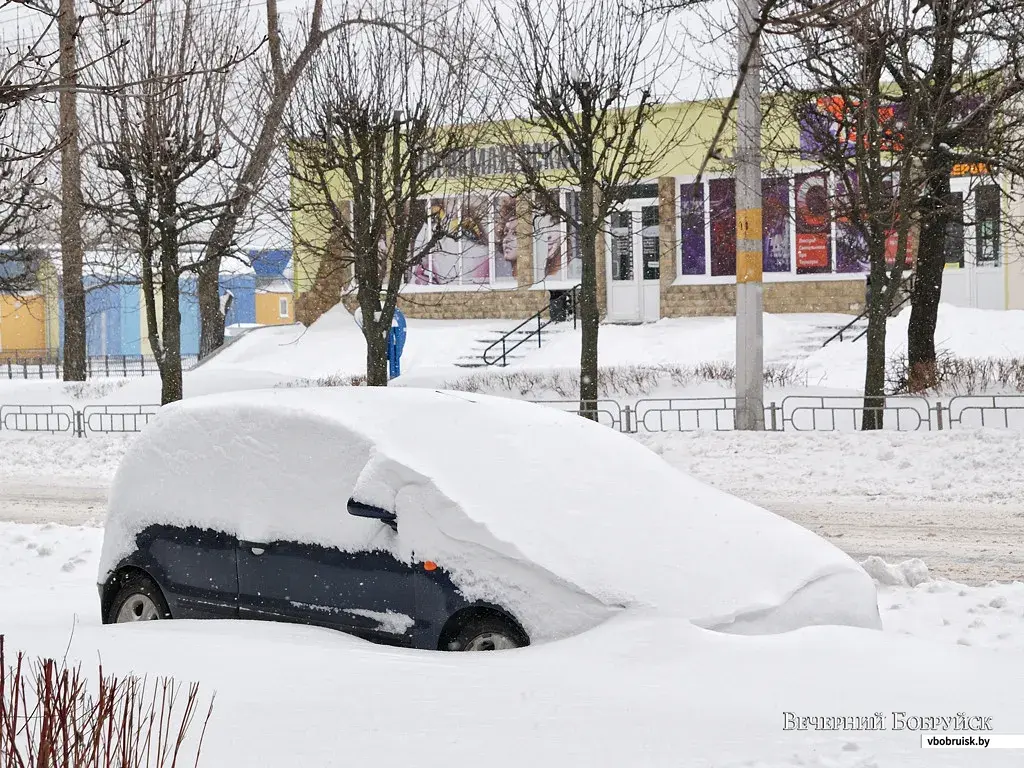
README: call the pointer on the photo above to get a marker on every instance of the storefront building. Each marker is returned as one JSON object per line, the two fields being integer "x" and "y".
{"x": 671, "y": 249}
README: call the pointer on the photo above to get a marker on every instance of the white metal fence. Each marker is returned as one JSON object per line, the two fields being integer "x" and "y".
{"x": 796, "y": 413}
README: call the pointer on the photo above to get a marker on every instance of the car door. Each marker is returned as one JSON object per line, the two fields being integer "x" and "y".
{"x": 367, "y": 593}
{"x": 196, "y": 569}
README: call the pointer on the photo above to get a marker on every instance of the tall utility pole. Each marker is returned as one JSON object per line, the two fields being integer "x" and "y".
{"x": 749, "y": 288}
{"x": 71, "y": 244}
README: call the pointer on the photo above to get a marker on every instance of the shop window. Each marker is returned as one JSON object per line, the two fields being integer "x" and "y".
{"x": 954, "y": 247}
{"x": 505, "y": 240}
{"x": 722, "y": 196}
{"x": 556, "y": 243}
{"x": 574, "y": 266}
{"x": 622, "y": 245}
{"x": 650, "y": 241}
{"x": 462, "y": 255}
{"x": 813, "y": 224}
{"x": 692, "y": 237}
{"x": 987, "y": 226}
{"x": 775, "y": 221}
{"x": 547, "y": 248}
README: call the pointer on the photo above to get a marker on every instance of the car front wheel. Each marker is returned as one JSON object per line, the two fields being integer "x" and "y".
{"x": 487, "y": 634}
{"x": 138, "y": 599}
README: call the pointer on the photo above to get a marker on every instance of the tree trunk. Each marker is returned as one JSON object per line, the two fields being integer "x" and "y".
{"x": 374, "y": 329}
{"x": 71, "y": 244}
{"x": 931, "y": 261}
{"x": 874, "y": 375}
{"x": 883, "y": 289}
{"x": 589, "y": 311}
{"x": 376, "y": 358}
{"x": 590, "y": 321}
{"x": 171, "y": 388}
{"x": 211, "y": 320}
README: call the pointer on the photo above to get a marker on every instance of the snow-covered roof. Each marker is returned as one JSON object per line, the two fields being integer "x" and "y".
{"x": 552, "y": 516}
{"x": 275, "y": 286}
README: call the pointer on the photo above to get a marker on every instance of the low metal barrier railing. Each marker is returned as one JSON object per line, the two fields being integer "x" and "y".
{"x": 799, "y": 413}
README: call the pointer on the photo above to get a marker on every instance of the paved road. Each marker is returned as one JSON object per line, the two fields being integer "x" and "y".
{"x": 971, "y": 546}
{"x": 23, "y": 502}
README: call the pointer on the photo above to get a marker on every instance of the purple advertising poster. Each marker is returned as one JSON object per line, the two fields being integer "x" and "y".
{"x": 775, "y": 235}
{"x": 851, "y": 249}
{"x": 691, "y": 215}
{"x": 722, "y": 195}
{"x": 851, "y": 246}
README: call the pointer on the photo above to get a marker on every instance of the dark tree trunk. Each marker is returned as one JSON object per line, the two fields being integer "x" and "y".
{"x": 376, "y": 358}
{"x": 880, "y": 297}
{"x": 874, "y": 375}
{"x": 211, "y": 321}
{"x": 171, "y": 388}
{"x": 71, "y": 243}
{"x": 589, "y": 311}
{"x": 931, "y": 261}
{"x": 374, "y": 329}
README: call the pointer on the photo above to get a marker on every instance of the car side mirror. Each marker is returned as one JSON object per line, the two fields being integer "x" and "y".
{"x": 359, "y": 509}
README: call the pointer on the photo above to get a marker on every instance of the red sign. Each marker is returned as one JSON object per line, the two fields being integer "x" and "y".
{"x": 812, "y": 251}
{"x": 892, "y": 242}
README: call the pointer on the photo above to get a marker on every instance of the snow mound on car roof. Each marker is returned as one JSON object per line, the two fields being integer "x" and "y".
{"x": 513, "y": 499}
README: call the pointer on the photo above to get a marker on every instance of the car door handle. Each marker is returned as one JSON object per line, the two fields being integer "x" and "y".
{"x": 254, "y": 546}
{"x": 258, "y": 550}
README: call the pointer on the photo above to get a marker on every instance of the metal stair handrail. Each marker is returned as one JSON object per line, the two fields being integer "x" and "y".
{"x": 504, "y": 342}
{"x": 908, "y": 283}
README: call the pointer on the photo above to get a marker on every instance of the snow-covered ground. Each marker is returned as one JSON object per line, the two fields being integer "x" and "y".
{"x": 333, "y": 348}
{"x": 640, "y": 690}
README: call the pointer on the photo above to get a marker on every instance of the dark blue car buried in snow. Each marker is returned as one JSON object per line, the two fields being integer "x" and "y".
{"x": 443, "y": 521}
{"x": 191, "y": 573}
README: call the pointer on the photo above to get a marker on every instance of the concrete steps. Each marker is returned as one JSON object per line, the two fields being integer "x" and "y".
{"x": 525, "y": 338}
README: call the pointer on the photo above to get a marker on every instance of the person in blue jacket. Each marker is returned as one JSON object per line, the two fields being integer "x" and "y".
{"x": 396, "y": 340}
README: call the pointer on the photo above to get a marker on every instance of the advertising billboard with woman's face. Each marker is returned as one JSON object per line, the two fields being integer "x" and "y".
{"x": 813, "y": 224}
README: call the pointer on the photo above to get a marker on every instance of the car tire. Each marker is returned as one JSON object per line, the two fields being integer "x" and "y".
{"x": 488, "y": 633}
{"x": 138, "y": 599}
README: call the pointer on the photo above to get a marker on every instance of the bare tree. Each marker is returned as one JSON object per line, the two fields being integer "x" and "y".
{"x": 285, "y": 66}
{"x": 27, "y": 85}
{"x": 582, "y": 78}
{"x": 964, "y": 59}
{"x": 827, "y": 80}
{"x": 159, "y": 146}
{"x": 378, "y": 119}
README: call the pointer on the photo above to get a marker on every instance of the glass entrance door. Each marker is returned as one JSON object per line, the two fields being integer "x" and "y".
{"x": 634, "y": 264}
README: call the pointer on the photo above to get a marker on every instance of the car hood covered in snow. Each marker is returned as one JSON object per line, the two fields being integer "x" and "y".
{"x": 558, "y": 519}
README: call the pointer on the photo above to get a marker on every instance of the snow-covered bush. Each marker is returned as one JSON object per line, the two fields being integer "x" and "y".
{"x": 962, "y": 375}
{"x": 629, "y": 380}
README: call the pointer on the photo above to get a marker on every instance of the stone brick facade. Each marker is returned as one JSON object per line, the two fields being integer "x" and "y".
{"x": 514, "y": 304}
{"x": 838, "y": 296}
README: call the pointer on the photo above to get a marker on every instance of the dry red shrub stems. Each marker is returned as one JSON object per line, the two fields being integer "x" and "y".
{"x": 52, "y": 717}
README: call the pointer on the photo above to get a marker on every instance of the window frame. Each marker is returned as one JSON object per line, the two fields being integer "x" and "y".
{"x": 791, "y": 276}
